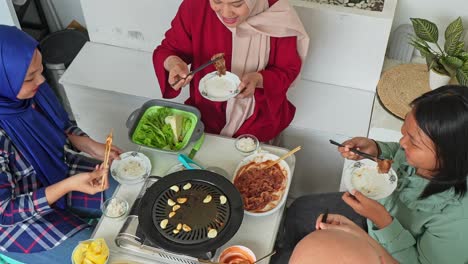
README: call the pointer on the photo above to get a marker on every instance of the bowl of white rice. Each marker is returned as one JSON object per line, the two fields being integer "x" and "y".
{"x": 133, "y": 167}
{"x": 246, "y": 144}
{"x": 115, "y": 207}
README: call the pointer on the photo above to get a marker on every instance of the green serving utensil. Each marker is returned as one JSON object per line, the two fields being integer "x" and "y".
{"x": 197, "y": 146}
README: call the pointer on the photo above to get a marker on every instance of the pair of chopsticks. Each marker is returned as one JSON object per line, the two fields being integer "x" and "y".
{"x": 284, "y": 157}
{"x": 203, "y": 66}
{"x": 106, "y": 155}
{"x": 365, "y": 155}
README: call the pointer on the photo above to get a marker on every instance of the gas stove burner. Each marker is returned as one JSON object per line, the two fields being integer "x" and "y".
{"x": 133, "y": 239}
{"x": 211, "y": 224}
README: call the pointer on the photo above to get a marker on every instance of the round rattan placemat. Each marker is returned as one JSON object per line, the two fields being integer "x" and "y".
{"x": 400, "y": 85}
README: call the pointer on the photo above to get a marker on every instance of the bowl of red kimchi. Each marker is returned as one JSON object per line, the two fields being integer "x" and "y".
{"x": 263, "y": 187}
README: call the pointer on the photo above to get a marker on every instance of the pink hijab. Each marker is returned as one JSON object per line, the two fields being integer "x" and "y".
{"x": 251, "y": 50}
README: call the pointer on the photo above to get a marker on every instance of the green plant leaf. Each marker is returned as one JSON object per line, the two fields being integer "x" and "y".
{"x": 462, "y": 76}
{"x": 450, "y": 69}
{"x": 453, "y": 62}
{"x": 425, "y": 29}
{"x": 419, "y": 45}
{"x": 452, "y": 43}
{"x": 460, "y": 48}
{"x": 455, "y": 28}
{"x": 437, "y": 66}
{"x": 464, "y": 56}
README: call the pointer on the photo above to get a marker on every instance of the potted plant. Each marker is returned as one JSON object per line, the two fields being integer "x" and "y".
{"x": 443, "y": 64}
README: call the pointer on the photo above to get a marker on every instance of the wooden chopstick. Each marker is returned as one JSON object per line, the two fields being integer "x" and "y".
{"x": 106, "y": 155}
{"x": 284, "y": 156}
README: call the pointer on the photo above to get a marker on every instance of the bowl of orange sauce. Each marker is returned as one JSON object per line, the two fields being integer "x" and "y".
{"x": 237, "y": 255}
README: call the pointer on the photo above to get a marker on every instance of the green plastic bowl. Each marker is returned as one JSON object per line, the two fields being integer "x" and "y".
{"x": 193, "y": 114}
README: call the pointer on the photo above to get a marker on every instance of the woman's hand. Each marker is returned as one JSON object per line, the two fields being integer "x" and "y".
{"x": 336, "y": 221}
{"x": 368, "y": 208}
{"x": 93, "y": 148}
{"x": 361, "y": 143}
{"x": 86, "y": 182}
{"x": 249, "y": 82}
{"x": 177, "y": 69}
{"x": 90, "y": 182}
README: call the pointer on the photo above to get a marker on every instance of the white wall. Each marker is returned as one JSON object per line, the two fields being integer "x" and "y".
{"x": 7, "y": 13}
{"x": 67, "y": 11}
{"x": 440, "y": 12}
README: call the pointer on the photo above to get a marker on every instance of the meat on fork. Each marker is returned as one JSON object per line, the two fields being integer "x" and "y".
{"x": 220, "y": 64}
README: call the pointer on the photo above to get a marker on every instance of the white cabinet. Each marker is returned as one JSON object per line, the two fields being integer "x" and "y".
{"x": 347, "y": 46}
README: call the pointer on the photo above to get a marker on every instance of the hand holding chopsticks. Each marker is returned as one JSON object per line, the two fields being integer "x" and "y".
{"x": 356, "y": 151}
{"x": 106, "y": 155}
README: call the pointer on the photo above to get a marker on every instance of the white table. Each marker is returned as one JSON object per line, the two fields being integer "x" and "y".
{"x": 257, "y": 233}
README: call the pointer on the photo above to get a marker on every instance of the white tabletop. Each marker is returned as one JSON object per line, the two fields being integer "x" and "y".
{"x": 256, "y": 233}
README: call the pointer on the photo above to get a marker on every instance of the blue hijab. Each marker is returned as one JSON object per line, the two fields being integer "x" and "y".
{"x": 39, "y": 136}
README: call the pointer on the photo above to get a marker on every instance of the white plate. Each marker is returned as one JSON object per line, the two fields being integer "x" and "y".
{"x": 363, "y": 176}
{"x": 219, "y": 89}
{"x": 133, "y": 167}
{"x": 259, "y": 158}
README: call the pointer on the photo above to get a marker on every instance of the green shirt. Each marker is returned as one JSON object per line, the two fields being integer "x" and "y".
{"x": 431, "y": 230}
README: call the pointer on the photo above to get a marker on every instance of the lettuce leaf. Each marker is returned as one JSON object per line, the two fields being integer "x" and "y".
{"x": 154, "y": 132}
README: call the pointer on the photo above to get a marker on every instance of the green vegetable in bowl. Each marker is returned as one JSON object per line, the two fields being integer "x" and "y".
{"x": 162, "y": 129}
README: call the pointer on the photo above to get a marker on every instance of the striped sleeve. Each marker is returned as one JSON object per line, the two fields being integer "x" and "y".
{"x": 18, "y": 208}
{"x": 74, "y": 130}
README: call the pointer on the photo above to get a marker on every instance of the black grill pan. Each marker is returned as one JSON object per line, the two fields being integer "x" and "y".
{"x": 200, "y": 217}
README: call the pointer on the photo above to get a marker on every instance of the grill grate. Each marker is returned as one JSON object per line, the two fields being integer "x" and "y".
{"x": 199, "y": 216}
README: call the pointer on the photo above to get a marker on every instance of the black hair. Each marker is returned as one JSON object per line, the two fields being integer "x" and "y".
{"x": 442, "y": 114}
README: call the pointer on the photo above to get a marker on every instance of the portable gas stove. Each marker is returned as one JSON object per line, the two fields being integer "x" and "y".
{"x": 139, "y": 236}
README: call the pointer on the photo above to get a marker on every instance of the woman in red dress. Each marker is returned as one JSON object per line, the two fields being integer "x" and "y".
{"x": 263, "y": 42}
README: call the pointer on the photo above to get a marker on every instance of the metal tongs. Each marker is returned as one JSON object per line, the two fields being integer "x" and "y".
{"x": 203, "y": 66}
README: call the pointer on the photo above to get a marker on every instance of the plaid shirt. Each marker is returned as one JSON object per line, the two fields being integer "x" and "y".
{"x": 27, "y": 222}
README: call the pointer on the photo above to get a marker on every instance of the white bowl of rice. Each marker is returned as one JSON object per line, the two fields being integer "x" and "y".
{"x": 246, "y": 144}
{"x": 133, "y": 167}
{"x": 115, "y": 207}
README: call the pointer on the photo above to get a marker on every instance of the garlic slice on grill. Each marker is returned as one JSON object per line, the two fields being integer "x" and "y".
{"x": 179, "y": 226}
{"x": 164, "y": 223}
{"x": 212, "y": 233}
{"x": 171, "y": 214}
{"x": 187, "y": 186}
{"x": 182, "y": 200}
{"x": 222, "y": 199}
{"x": 186, "y": 228}
{"x": 170, "y": 202}
{"x": 175, "y": 231}
{"x": 207, "y": 199}
{"x": 175, "y": 188}
{"x": 175, "y": 207}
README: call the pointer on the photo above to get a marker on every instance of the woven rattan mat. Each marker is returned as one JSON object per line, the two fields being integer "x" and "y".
{"x": 400, "y": 85}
